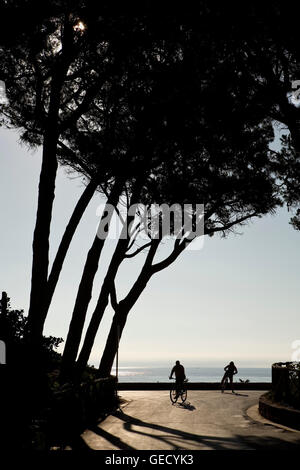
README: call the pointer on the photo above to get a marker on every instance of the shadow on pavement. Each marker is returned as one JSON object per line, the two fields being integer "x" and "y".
{"x": 111, "y": 438}
{"x": 178, "y": 439}
{"x": 186, "y": 406}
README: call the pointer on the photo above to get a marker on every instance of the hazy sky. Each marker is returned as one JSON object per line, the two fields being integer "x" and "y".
{"x": 236, "y": 298}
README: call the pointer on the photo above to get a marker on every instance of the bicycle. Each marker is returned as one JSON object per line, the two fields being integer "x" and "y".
{"x": 175, "y": 393}
{"x": 225, "y": 383}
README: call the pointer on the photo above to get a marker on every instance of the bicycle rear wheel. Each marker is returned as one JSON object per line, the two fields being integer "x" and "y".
{"x": 173, "y": 395}
{"x": 226, "y": 383}
{"x": 183, "y": 395}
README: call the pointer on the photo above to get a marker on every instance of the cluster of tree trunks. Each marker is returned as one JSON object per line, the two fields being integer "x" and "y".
{"x": 156, "y": 114}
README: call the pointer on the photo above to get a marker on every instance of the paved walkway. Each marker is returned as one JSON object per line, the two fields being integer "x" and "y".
{"x": 208, "y": 420}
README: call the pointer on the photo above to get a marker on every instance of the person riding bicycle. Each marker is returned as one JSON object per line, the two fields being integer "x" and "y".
{"x": 179, "y": 372}
{"x": 230, "y": 371}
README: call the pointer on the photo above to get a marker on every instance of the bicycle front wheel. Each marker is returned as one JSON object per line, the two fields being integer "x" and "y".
{"x": 173, "y": 395}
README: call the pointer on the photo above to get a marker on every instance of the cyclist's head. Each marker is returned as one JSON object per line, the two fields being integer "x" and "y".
{"x": 177, "y": 363}
{"x": 232, "y": 363}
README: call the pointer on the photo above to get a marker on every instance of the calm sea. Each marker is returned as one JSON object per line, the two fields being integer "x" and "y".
{"x": 194, "y": 374}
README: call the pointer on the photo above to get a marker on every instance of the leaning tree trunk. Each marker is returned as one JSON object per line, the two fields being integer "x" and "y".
{"x": 106, "y": 288}
{"x": 102, "y": 303}
{"x": 124, "y": 307}
{"x": 113, "y": 339}
{"x": 65, "y": 243}
{"x": 84, "y": 293}
{"x": 122, "y": 310}
{"x": 40, "y": 260}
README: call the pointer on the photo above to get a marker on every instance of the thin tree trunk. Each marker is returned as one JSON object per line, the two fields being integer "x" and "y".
{"x": 121, "y": 313}
{"x": 112, "y": 342}
{"x": 116, "y": 330}
{"x": 84, "y": 293}
{"x": 65, "y": 243}
{"x": 102, "y": 303}
{"x": 40, "y": 260}
{"x": 107, "y": 285}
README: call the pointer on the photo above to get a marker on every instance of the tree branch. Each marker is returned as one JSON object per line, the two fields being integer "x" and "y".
{"x": 141, "y": 248}
{"x": 113, "y": 296}
{"x": 81, "y": 109}
{"x": 230, "y": 224}
{"x": 178, "y": 248}
{"x": 73, "y": 156}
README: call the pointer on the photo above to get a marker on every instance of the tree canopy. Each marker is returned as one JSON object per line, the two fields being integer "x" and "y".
{"x": 170, "y": 109}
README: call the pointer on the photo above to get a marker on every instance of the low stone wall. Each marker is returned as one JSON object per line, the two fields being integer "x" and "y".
{"x": 279, "y": 413}
{"x": 192, "y": 386}
{"x": 286, "y": 383}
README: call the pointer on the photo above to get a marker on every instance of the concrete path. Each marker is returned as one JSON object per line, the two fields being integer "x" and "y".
{"x": 207, "y": 420}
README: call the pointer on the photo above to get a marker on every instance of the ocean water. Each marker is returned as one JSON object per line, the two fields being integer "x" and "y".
{"x": 194, "y": 374}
